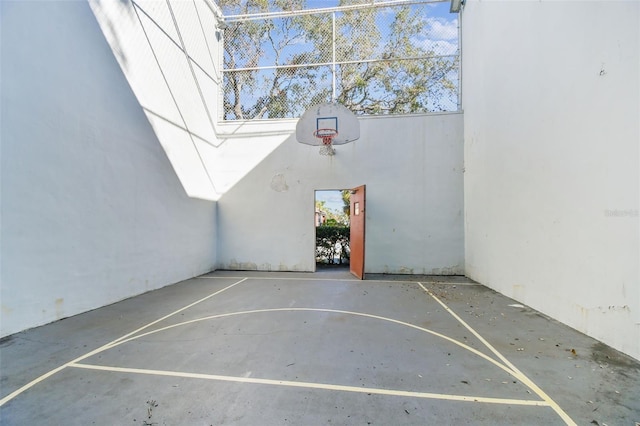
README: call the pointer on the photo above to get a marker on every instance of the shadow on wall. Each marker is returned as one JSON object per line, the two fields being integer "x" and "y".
{"x": 117, "y": 221}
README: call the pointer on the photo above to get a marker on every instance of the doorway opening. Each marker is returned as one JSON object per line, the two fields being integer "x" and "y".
{"x": 332, "y": 224}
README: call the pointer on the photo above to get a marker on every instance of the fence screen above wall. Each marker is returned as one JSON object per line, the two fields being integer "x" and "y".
{"x": 393, "y": 57}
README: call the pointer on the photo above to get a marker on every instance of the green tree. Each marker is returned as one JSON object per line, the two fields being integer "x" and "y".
{"x": 346, "y": 201}
{"x": 334, "y": 217}
{"x": 381, "y": 74}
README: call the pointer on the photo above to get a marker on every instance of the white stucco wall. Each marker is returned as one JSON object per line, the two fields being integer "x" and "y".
{"x": 412, "y": 167}
{"x": 552, "y": 106}
{"x": 92, "y": 211}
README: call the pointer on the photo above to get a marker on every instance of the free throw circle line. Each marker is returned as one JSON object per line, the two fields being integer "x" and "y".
{"x": 336, "y": 311}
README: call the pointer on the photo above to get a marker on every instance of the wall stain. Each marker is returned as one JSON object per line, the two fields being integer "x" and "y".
{"x": 59, "y": 308}
{"x": 265, "y": 267}
{"x": 518, "y": 292}
{"x": 241, "y": 266}
{"x": 6, "y": 310}
{"x": 279, "y": 183}
{"x": 613, "y": 308}
{"x": 446, "y": 270}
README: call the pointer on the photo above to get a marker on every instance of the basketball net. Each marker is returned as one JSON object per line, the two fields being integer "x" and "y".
{"x": 327, "y": 136}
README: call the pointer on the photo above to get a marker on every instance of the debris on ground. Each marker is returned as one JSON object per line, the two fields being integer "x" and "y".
{"x": 151, "y": 404}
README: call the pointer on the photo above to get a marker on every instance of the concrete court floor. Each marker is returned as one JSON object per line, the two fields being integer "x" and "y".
{"x": 251, "y": 348}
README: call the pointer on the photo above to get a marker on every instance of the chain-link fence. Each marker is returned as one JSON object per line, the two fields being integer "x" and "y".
{"x": 389, "y": 58}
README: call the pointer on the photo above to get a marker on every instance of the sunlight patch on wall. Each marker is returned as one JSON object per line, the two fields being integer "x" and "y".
{"x": 169, "y": 54}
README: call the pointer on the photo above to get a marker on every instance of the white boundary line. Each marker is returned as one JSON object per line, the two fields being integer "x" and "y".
{"x": 518, "y": 374}
{"x": 337, "y": 279}
{"x": 311, "y": 385}
{"x": 284, "y": 278}
{"x": 106, "y": 346}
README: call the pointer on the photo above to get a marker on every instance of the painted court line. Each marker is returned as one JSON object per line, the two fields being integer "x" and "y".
{"x": 360, "y": 314}
{"x": 310, "y": 385}
{"x": 107, "y": 346}
{"x": 428, "y": 282}
{"x": 339, "y": 279}
{"x": 519, "y": 374}
{"x": 282, "y": 278}
{"x": 505, "y": 365}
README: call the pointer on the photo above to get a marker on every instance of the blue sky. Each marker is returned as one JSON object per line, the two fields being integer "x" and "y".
{"x": 332, "y": 199}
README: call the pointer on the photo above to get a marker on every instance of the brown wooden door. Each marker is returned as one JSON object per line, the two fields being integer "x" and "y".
{"x": 357, "y": 219}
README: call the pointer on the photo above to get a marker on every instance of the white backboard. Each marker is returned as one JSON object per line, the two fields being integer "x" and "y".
{"x": 328, "y": 116}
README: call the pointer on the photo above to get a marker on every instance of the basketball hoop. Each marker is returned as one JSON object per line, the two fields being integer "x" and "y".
{"x": 319, "y": 125}
{"x": 327, "y": 136}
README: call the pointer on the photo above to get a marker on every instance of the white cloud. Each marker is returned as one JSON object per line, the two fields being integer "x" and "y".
{"x": 440, "y": 37}
{"x": 442, "y": 29}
